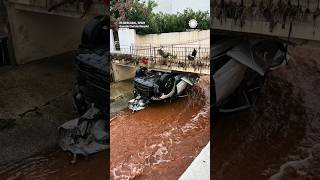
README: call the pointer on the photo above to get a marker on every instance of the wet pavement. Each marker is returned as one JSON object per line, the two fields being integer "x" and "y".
{"x": 35, "y": 99}
{"x": 280, "y": 137}
{"x": 55, "y": 165}
{"x": 161, "y": 141}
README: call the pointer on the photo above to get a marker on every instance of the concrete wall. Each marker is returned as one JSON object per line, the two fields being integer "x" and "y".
{"x": 301, "y": 29}
{"x": 121, "y": 73}
{"x": 192, "y": 38}
{"x": 67, "y": 9}
{"x": 37, "y": 33}
{"x": 37, "y": 36}
{"x": 128, "y": 37}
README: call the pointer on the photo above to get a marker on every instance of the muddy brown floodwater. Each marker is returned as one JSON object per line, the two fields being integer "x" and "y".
{"x": 161, "y": 141}
{"x": 56, "y": 166}
{"x": 279, "y": 139}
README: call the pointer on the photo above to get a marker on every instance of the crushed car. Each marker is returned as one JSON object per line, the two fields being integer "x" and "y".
{"x": 150, "y": 85}
{"x": 239, "y": 67}
{"x": 88, "y": 133}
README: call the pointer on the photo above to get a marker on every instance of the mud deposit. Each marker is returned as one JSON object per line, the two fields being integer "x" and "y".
{"x": 280, "y": 137}
{"x": 161, "y": 141}
{"x": 56, "y": 165}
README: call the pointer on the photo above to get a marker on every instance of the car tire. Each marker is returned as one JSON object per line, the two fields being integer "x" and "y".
{"x": 167, "y": 83}
{"x": 93, "y": 34}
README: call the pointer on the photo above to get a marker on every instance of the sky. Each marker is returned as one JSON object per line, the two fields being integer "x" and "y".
{"x": 174, "y": 6}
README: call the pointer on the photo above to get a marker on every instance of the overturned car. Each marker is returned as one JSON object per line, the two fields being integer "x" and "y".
{"x": 156, "y": 86}
{"x": 88, "y": 133}
{"x": 239, "y": 67}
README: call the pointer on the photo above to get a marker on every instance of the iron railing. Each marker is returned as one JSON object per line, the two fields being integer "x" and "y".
{"x": 166, "y": 57}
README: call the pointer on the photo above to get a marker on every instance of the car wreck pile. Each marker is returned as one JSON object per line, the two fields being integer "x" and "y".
{"x": 89, "y": 133}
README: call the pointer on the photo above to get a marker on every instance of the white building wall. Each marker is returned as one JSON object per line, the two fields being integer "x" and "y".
{"x": 126, "y": 39}
{"x": 112, "y": 45}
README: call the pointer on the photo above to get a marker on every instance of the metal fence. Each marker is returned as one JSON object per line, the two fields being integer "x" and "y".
{"x": 187, "y": 58}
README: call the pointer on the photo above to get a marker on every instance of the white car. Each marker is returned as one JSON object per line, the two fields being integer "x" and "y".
{"x": 239, "y": 68}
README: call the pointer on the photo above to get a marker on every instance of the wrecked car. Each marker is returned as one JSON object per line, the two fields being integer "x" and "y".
{"x": 156, "y": 86}
{"x": 89, "y": 134}
{"x": 239, "y": 67}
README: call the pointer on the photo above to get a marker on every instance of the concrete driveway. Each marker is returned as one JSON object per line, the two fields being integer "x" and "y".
{"x": 35, "y": 99}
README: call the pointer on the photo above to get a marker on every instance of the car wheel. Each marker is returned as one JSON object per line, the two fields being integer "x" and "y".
{"x": 167, "y": 83}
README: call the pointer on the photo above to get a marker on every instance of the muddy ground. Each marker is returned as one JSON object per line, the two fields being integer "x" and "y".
{"x": 280, "y": 137}
{"x": 35, "y": 99}
{"x": 161, "y": 141}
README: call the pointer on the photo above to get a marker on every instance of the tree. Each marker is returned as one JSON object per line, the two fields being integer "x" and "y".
{"x": 135, "y": 10}
{"x": 118, "y": 9}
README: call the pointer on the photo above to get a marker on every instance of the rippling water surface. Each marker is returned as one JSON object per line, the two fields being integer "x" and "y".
{"x": 280, "y": 137}
{"x": 162, "y": 140}
{"x": 56, "y": 166}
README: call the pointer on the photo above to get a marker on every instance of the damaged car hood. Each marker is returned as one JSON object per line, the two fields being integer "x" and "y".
{"x": 258, "y": 55}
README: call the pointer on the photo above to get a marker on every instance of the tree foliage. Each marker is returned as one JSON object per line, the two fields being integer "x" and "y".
{"x": 136, "y": 10}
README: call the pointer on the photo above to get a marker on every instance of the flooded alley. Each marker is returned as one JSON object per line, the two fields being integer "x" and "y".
{"x": 162, "y": 139}
{"x": 279, "y": 138}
